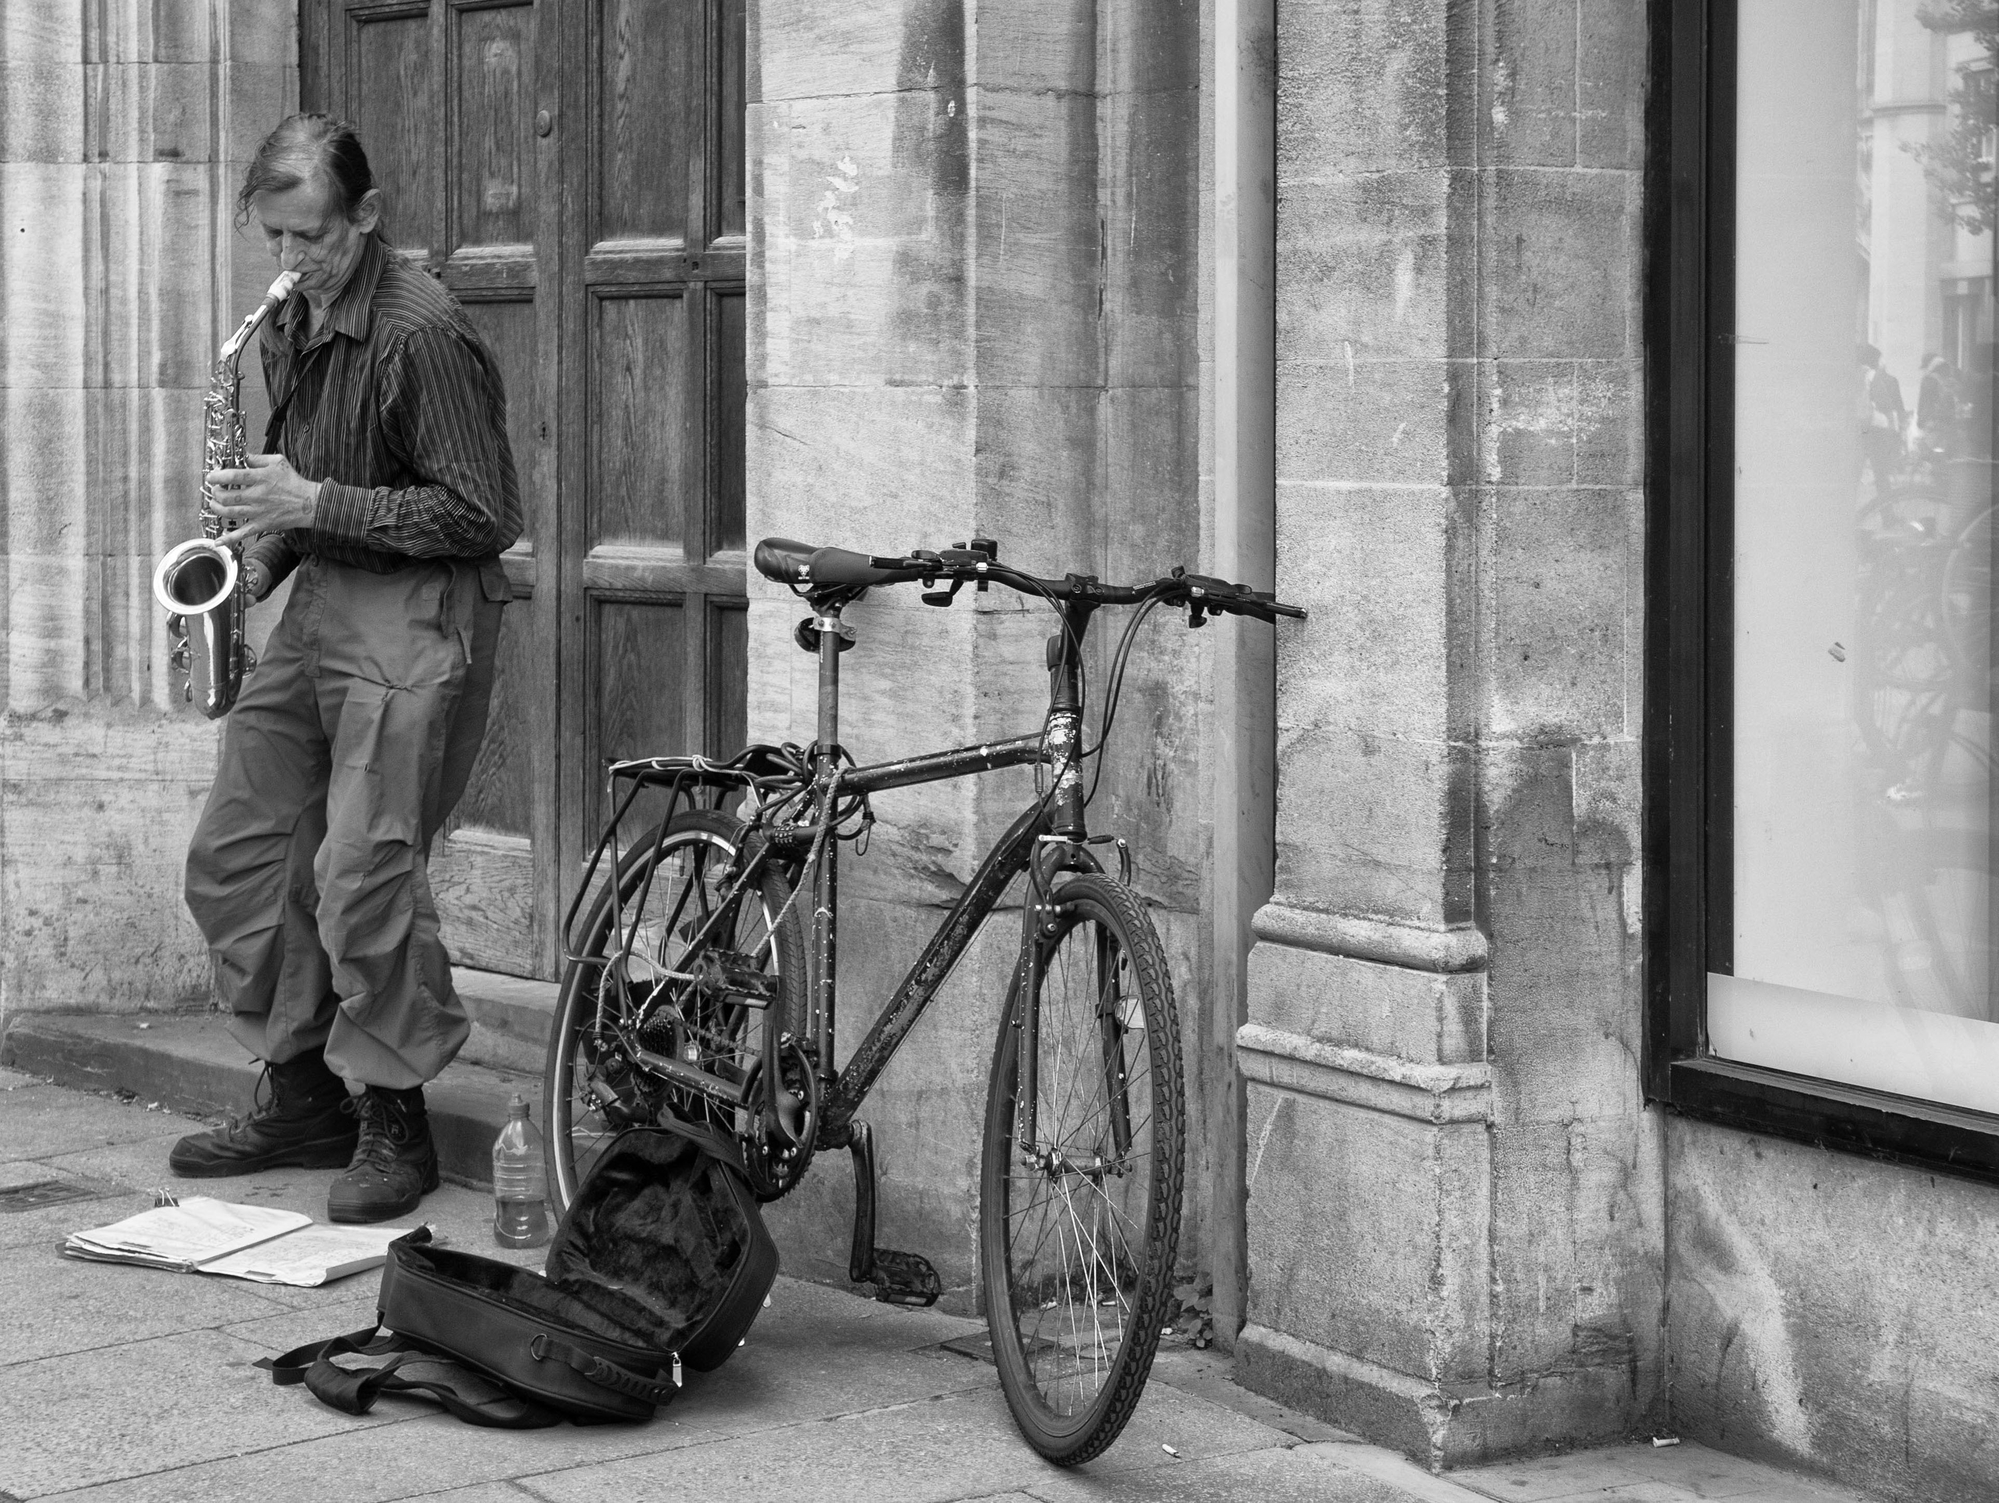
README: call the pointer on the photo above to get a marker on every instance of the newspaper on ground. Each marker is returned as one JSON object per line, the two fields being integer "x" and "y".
{"x": 270, "y": 1246}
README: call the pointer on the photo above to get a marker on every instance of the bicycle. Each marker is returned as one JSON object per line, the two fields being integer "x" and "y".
{"x": 687, "y": 995}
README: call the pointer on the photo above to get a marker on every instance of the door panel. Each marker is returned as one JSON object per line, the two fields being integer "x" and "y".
{"x": 396, "y": 114}
{"x": 494, "y": 138}
{"x": 599, "y": 251}
{"x": 648, "y": 101}
{"x": 641, "y": 368}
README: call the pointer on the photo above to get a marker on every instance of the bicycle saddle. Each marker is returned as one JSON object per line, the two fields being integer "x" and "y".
{"x": 810, "y": 568}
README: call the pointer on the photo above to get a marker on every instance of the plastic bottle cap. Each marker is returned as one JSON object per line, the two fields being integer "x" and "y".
{"x": 518, "y": 1107}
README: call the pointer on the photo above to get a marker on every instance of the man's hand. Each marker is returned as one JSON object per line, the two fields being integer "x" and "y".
{"x": 269, "y": 496}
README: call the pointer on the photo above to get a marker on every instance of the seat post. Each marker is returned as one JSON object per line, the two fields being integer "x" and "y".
{"x": 827, "y": 619}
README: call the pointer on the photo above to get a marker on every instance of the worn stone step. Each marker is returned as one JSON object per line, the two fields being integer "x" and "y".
{"x": 510, "y": 1016}
{"x": 189, "y": 1063}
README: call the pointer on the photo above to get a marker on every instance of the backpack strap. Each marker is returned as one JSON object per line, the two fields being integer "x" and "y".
{"x": 353, "y": 1390}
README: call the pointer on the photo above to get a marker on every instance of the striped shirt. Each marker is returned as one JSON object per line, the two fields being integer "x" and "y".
{"x": 396, "y": 405}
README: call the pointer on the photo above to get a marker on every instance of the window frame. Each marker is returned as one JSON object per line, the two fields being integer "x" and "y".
{"x": 1689, "y": 637}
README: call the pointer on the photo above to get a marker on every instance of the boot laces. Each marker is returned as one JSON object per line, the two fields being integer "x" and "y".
{"x": 386, "y": 1128}
{"x": 265, "y": 1101}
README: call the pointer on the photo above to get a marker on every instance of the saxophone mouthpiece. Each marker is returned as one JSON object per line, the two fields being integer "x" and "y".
{"x": 282, "y": 287}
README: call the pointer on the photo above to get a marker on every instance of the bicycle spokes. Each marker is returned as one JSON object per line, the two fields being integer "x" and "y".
{"x": 1076, "y": 1213}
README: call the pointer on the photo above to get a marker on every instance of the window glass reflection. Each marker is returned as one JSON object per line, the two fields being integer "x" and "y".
{"x": 1864, "y": 926}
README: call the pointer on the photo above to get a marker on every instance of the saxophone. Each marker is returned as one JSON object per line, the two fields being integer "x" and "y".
{"x": 201, "y": 579}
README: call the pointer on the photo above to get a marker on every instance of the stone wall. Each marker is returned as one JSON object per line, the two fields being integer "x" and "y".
{"x": 126, "y": 127}
{"x": 1456, "y": 1198}
{"x": 1833, "y": 1312}
{"x": 971, "y": 313}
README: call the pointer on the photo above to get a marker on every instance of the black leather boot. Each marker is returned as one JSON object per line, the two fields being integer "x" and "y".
{"x": 301, "y": 1122}
{"x": 395, "y": 1162}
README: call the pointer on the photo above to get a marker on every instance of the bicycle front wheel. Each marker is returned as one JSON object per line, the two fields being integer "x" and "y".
{"x": 1079, "y": 1212}
{"x": 629, "y": 990}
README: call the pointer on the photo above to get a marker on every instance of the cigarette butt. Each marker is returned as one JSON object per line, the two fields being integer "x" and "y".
{"x": 1168, "y": 1450}
{"x": 1665, "y": 1440}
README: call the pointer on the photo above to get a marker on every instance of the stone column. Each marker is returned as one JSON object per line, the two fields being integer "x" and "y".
{"x": 127, "y": 126}
{"x": 1454, "y": 1202}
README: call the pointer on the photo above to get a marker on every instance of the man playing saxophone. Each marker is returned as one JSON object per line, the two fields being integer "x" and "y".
{"x": 387, "y": 495}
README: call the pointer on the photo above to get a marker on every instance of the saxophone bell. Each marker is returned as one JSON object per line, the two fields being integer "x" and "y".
{"x": 195, "y": 577}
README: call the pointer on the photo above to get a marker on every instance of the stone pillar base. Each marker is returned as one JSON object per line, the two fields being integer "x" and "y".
{"x": 1439, "y": 1425}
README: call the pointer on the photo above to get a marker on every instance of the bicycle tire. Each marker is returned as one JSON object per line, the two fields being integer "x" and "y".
{"x": 587, "y": 1044}
{"x": 1104, "y": 994}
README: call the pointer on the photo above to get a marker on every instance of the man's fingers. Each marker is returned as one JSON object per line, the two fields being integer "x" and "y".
{"x": 262, "y": 461}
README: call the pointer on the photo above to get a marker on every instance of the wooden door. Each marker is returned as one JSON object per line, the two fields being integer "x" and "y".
{"x": 573, "y": 171}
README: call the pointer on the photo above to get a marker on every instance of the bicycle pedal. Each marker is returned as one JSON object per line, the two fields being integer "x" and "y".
{"x": 905, "y": 1278}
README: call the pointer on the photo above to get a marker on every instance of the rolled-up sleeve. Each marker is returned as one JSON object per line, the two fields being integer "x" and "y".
{"x": 443, "y": 414}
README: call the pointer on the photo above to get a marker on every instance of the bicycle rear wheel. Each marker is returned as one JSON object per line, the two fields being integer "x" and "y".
{"x": 668, "y": 891}
{"x": 1079, "y": 1226}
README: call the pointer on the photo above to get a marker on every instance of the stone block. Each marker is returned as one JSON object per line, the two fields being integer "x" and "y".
{"x": 47, "y": 511}
{"x": 182, "y": 200}
{"x": 261, "y": 92}
{"x": 1607, "y": 796}
{"x": 894, "y": 465}
{"x": 263, "y": 34}
{"x": 1050, "y": 48}
{"x": 1377, "y": 567}
{"x": 1611, "y": 83}
{"x": 1150, "y": 217}
{"x": 1824, "y": 1313}
{"x": 42, "y": 111}
{"x": 1565, "y": 574}
{"x": 1035, "y": 459}
{"x": 144, "y": 112}
{"x": 100, "y": 806}
{"x": 1528, "y": 82}
{"x": 1609, "y": 415}
{"x": 1562, "y": 277}
{"x": 1373, "y": 825}
{"x": 1375, "y": 266}
{"x": 44, "y": 286}
{"x": 1143, "y": 514}
{"x": 32, "y": 31}
{"x": 1394, "y": 1272}
{"x": 1038, "y": 239}
{"x": 1425, "y": 1016}
{"x": 45, "y": 630}
{"x": 1365, "y": 88}
{"x": 871, "y": 47}
{"x": 1527, "y": 422}
{"x": 1371, "y": 422}
{"x": 184, "y": 31}
{"x": 866, "y": 218}
{"x": 1578, "y": 1254}
{"x": 1567, "y": 994}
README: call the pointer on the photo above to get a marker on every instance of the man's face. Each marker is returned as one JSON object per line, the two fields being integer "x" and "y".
{"x": 305, "y": 233}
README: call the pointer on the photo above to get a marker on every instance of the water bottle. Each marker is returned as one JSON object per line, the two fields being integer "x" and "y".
{"x": 520, "y": 1182}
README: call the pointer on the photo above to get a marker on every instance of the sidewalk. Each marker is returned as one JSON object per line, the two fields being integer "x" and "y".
{"x": 130, "y": 1384}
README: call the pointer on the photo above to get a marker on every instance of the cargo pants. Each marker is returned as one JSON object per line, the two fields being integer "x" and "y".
{"x": 308, "y": 873}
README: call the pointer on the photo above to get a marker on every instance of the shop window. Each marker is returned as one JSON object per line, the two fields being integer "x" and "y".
{"x": 1823, "y": 765}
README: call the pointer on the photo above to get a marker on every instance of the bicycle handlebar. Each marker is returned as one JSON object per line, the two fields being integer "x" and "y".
{"x": 838, "y": 571}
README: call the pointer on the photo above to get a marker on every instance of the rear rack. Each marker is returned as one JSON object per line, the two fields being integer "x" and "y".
{"x": 762, "y": 769}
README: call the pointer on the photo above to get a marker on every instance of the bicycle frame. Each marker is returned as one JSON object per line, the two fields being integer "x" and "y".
{"x": 1049, "y": 836}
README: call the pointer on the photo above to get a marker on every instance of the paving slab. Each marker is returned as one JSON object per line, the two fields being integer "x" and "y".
{"x": 141, "y": 1408}
{"x": 1645, "y": 1473}
{"x": 57, "y": 1305}
{"x": 400, "y": 1451}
